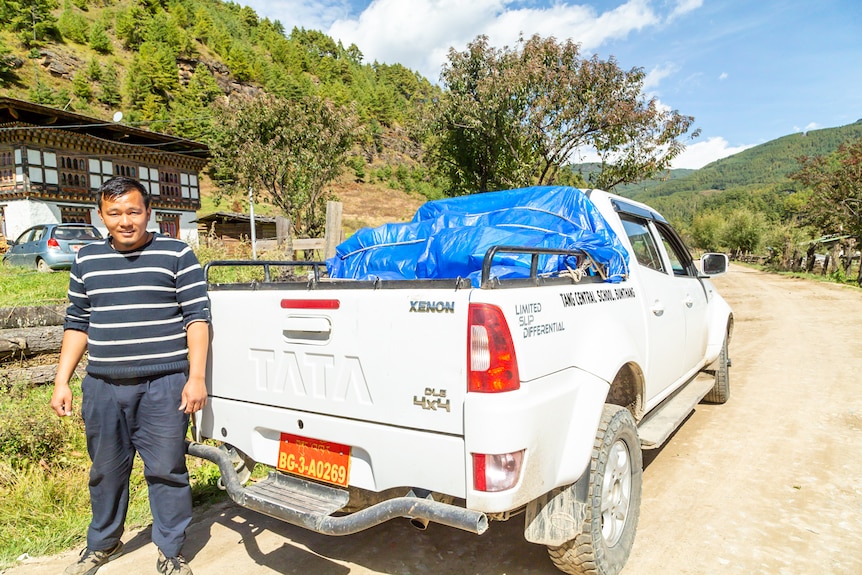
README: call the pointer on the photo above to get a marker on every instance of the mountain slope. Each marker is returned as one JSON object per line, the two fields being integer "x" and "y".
{"x": 765, "y": 165}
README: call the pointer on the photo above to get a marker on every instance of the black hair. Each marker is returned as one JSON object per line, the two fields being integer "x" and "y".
{"x": 120, "y": 185}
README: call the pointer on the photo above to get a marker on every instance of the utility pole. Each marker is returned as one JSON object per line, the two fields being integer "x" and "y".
{"x": 251, "y": 212}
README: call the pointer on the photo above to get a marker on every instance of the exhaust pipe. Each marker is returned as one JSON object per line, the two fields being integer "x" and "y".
{"x": 419, "y": 509}
{"x": 420, "y": 523}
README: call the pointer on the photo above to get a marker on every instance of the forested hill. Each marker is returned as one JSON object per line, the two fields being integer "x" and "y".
{"x": 765, "y": 165}
{"x": 163, "y": 62}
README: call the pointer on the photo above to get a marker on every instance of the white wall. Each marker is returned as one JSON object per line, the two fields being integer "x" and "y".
{"x": 22, "y": 214}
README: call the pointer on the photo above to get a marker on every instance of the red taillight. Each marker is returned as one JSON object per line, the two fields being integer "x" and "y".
{"x": 53, "y": 244}
{"x": 491, "y": 361}
{"x": 310, "y": 304}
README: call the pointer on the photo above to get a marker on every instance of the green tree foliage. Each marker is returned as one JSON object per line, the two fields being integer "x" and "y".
{"x": 287, "y": 151}
{"x": 765, "y": 166}
{"x": 165, "y": 28}
{"x": 706, "y": 231}
{"x": 41, "y": 93}
{"x": 240, "y": 60}
{"x": 835, "y": 184}
{"x": 130, "y": 26}
{"x": 6, "y": 65}
{"x": 94, "y": 70}
{"x": 203, "y": 26}
{"x": 81, "y": 86}
{"x": 191, "y": 110}
{"x": 99, "y": 39}
{"x": 513, "y": 117}
{"x": 109, "y": 86}
{"x": 743, "y": 231}
{"x": 33, "y": 20}
{"x": 153, "y": 72}
{"x": 72, "y": 24}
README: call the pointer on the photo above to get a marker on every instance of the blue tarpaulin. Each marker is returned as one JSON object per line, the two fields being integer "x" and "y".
{"x": 448, "y": 239}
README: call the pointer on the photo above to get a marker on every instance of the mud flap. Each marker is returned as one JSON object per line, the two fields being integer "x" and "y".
{"x": 558, "y": 516}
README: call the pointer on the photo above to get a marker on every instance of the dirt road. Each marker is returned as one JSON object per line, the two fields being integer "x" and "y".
{"x": 768, "y": 483}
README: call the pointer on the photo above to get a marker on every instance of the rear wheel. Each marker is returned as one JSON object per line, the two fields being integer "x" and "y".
{"x": 613, "y": 504}
{"x": 43, "y": 266}
{"x": 720, "y": 391}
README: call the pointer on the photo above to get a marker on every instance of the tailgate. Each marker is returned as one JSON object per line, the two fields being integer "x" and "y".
{"x": 395, "y": 357}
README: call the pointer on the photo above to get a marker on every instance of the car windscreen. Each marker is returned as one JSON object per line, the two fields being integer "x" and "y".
{"x": 81, "y": 233}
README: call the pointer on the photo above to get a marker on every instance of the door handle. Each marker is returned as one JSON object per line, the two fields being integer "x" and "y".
{"x": 688, "y": 301}
{"x": 657, "y": 308}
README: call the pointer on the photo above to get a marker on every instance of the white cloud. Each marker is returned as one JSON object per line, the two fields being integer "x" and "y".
{"x": 808, "y": 128}
{"x": 308, "y": 14}
{"x": 684, "y": 7}
{"x": 702, "y": 153}
{"x": 723, "y": 76}
{"x": 419, "y": 33}
{"x": 657, "y": 74}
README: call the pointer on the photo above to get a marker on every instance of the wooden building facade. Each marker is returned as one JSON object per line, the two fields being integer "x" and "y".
{"x": 53, "y": 161}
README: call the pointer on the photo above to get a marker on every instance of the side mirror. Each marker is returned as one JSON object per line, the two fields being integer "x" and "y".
{"x": 713, "y": 264}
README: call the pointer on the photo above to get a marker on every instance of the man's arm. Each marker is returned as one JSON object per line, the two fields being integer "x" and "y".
{"x": 71, "y": 351}
{"x": 195, "y": 390}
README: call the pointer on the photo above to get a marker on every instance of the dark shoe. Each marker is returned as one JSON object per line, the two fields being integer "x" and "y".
{"x": 90, "y": 561}
{"x": 172, "y": 565}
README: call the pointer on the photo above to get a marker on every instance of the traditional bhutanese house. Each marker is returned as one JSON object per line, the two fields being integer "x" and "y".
{"x": 53, "y": 161}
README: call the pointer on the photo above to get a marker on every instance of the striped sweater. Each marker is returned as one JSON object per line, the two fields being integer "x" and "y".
{"x": 135, "y": 306}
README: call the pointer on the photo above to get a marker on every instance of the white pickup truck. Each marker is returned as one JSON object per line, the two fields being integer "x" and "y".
{"x": 440, "y": 401}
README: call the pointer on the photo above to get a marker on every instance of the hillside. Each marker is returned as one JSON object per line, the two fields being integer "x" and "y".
{"x": 163, "y": 64}
{"x": 763, "y": 165}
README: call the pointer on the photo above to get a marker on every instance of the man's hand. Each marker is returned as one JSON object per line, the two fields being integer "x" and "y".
{"x": 194, "y": 395}
{"x": 61, "y": 400}
{"x": 71, "y": 351}
{"x": 195, "y": 391}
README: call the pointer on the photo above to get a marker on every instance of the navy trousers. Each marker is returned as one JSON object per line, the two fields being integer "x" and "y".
{"x": 141, "y": 415}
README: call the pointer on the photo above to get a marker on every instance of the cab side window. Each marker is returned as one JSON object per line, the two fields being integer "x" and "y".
{"x": 680, "y": 258}
{"x": 643, "y": 244}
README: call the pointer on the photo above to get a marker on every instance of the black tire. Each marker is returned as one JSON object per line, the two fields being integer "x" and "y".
{"x": 720, "y": 391}
{"x": 43, "y": 266}
{"x": 613, "y": 504}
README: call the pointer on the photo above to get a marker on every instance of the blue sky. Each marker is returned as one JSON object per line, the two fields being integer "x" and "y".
{"x": 749, "y": 71}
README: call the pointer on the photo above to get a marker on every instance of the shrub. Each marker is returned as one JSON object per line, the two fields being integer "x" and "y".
{"x": 30, "y": 433}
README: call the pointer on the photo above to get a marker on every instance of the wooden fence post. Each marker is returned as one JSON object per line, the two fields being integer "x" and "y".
{"x": 334, "y": 231}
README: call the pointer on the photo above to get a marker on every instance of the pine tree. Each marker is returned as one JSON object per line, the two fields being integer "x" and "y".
{"x": 72, "y": 24}
{"x": 81, "y": 86}
{"x": 34, "y": 22}
{"x": 99, "y": 39}
{"x": 94, "y": 70}
{"x": 110, "y": 87}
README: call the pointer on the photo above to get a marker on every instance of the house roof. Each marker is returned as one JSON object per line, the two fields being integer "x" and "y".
{"x": 233, "y": 217}
{"x": 15, "y": 113}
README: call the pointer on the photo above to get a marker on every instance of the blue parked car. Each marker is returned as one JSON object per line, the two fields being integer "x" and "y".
{"x": 50, "y": 247}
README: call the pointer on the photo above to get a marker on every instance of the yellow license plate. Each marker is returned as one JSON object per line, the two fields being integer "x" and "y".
{"x": 314, "y": 459}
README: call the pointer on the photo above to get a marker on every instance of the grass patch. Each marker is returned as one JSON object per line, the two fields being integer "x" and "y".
{"x": 44, "y": 469}
{"x": 20, "y": 286}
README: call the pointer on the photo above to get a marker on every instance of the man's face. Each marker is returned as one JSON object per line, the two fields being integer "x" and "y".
{"x": 126, "y": 218}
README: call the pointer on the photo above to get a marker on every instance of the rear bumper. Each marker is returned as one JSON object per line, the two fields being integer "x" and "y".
{"x": 311, "y": 505}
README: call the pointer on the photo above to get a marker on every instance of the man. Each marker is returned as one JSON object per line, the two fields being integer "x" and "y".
{"x": 139, "y": 308}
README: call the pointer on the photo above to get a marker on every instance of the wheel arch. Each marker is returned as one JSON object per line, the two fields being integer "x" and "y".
{"x": 627, "y": 389}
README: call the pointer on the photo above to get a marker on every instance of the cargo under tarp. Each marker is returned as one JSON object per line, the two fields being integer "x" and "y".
{"x": 448, "y": 239}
